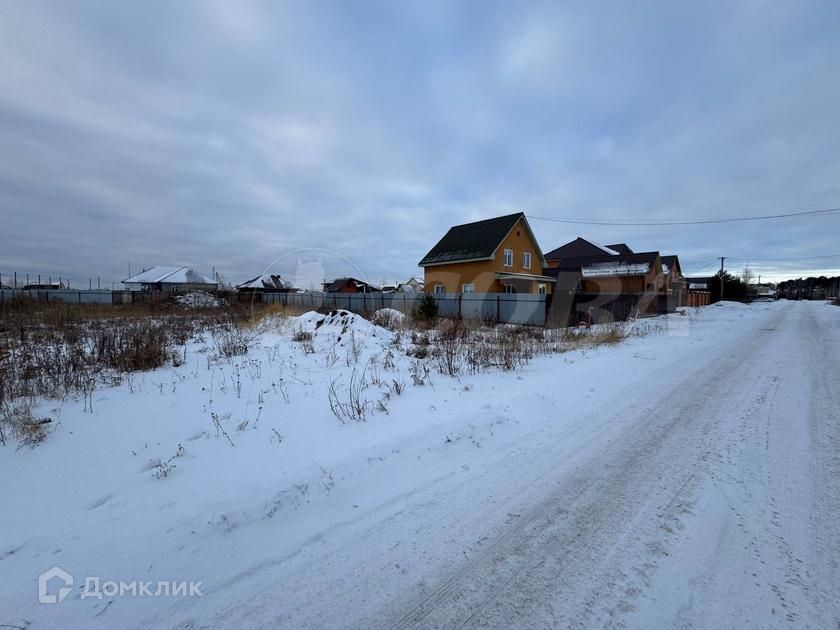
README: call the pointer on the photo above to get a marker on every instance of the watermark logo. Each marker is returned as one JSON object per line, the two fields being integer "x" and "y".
{"x": 94, "y": 587}
{"x": 56, "y": 574}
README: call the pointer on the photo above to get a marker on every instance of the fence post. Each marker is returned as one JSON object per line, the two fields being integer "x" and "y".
{"x": 460, "y": 311}
{"x": 498, "y": 310}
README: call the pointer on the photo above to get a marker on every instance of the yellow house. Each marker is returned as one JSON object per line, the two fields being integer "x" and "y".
{"x": 497, "y": 255}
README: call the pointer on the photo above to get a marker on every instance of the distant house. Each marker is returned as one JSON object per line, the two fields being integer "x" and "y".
{"x": 610, "y": 273}
{"x": 664, "y": 277}
{"x": 170, "y": 279}
{"x": 349, "y": 285}
{"x": 768, "y": 290}
{"x": 611, "y": 281}
{"x": 266, "y": 282}
{"x": 699, "y": 291}
{"x": 389, "y": 288}
{"x": 499, "y": 255}
{"x": 4, "y": 286}
{"x": 674, "y": 283}
{"x": 44, "y": 286}
{"x": 412, "y": 285}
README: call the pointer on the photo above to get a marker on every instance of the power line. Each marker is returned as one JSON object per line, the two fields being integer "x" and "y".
{"x": 692, "y": 267}
{"x": 785, "y": 259}
{"x": 639, "y": 222}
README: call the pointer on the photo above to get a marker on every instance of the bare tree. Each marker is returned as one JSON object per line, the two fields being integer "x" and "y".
{"x": 747, "y": 275}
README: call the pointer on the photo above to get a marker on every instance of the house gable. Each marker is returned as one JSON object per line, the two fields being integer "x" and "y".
{"x": 671, "y": 266}
{"x": 578, "y": 248}
{"x": 471, "y": 241}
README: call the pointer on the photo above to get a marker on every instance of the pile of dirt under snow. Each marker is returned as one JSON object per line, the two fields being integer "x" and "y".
{"x": 340, "y": 327}
{"x": 389, "y": 318}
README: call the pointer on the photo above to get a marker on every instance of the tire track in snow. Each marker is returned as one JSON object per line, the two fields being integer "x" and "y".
{"x": 824, "y": 434}
{"x": 554, "y": 566}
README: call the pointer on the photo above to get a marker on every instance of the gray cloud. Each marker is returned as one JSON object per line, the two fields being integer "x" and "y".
{"x": 232, "y": 134}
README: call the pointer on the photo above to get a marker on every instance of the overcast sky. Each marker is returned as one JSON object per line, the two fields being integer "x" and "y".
{"x": 348, "y": 136}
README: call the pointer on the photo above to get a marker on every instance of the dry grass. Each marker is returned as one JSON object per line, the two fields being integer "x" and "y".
{"x": 455, "y": 348}
{"x": 17, "y": 422}
{"x": 606, "y": 334}
{"x": 259, "y": 313}
{"x": 68, "y": 350}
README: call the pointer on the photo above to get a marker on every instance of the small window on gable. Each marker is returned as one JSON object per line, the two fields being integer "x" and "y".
{"x": 508, "y": 258}
{"x": 526, "y": 260}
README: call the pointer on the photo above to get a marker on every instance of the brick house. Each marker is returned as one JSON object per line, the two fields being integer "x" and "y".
{"x": 603, "y": 283}
{"x": 349, "y": 285}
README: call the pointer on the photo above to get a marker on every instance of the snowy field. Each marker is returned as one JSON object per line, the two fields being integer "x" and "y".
{"x": 688, "y": 476}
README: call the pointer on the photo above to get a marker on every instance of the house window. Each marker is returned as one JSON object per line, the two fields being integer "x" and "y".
{"x": 439, "y": 289}
{"x": 468, "y": 288}
{"x": 541, "y": 289}
{"x": 509, "y": 288}
{"x": 526, "y": 260}
{"x": 508, "y": 258}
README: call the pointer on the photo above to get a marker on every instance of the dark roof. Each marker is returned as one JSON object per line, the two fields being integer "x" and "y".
{"x": 273, "y": 282}
{"x": 670, "y": 262}
{"x": 621, "y": 248}
{"x": 575, "y": 249}
{"x": 576, "y": 264}
{"x": 472, "y": 241}
{"x": 339, "y": 283}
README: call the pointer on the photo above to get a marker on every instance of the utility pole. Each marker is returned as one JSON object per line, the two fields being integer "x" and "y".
{"x": 722, "y": 258}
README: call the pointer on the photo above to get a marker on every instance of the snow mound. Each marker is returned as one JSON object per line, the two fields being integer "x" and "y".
{"x": 340, "y": 327}
{"x": 727, "y": 304}
{"x": 389, "y": 317}
{"x": 199, "y": 299}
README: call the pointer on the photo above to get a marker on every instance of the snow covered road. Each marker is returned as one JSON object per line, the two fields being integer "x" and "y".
{"x": 687, "y": 478}
{"x": 700, "y": 489}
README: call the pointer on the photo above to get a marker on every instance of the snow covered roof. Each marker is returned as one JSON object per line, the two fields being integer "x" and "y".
{"x": 339, "y": 283}
{"x": 621, "y": 248}
{"x": 605, "y": 249}
{"x": 699, "y": 284}
{"x": 607, "y": 265}
{"x": 169, "y": 275}
{"x": 606, "y": 269}
{"x": 267, "y": 281}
